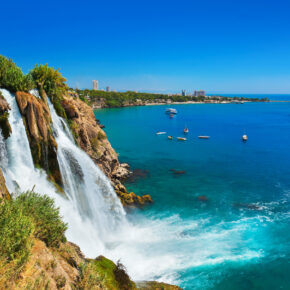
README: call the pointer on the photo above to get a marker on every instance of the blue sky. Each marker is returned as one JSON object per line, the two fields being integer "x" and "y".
{"x": 161, "y": 46}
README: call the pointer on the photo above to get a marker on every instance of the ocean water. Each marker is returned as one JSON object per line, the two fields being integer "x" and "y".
{"x": 221, "y": 206}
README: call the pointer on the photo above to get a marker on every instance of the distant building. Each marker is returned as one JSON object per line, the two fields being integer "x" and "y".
{"x": 107, "y": 89}
{"x": 183, "y": 93}
{"x": 199, "y": 93}
{"x": 95, "y": 85}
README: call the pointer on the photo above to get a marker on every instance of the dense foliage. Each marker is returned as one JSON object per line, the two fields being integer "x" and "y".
{"x": 49, "y": 226}
{"x": 12, "y": 78}
{"x": 16, "y": 232}
{"x": 28, "y": 216}
{"x": 119, "y": 99}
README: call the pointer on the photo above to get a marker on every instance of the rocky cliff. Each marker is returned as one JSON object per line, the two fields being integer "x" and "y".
{"x": 92, "y": 139}
{"x": 3, "y": 189}
{"x": 37, "y": 120}
{"x": 4, "y": 113}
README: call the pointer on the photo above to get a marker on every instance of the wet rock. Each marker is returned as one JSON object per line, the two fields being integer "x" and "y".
{"x": 131, "y": 199}
{"x": 3, "y": 189}
{"x": 37, "y": 120}
{"x": 137, "y": 174}
{"x": 202, "y": 198}
{"x": 4, "y": 114}
{"x": 177, "y": 172}
{"x": 250, "y": 206}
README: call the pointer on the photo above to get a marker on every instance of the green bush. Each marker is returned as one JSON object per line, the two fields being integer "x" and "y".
{"x": 12, "y": 77}
{"x": 53, "y": 83}
{"x": 16, "y": 230}
{"x": 49, "y": 226}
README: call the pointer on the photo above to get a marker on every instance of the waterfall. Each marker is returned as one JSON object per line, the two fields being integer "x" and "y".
{"x": 86, "y": 185}
{"x": 90, "y": 206}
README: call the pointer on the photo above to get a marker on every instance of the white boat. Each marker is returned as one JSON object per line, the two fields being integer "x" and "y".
{"x": 245, "y": 137}
{"x": 181, "y": 138}
{"x": 160, "y": 133}
{"x": 203, "y": 137}
{"x": 185, "y": 130}
{"x": 171, "y": 111}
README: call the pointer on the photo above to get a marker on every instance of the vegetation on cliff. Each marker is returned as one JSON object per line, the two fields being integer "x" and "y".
{"x": 50, "y": 81}
{"x": 27, "y": 217}
{"x": 12, "y": 78}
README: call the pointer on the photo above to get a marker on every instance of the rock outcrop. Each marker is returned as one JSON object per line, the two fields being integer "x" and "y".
{"x": 130, "y": 198}
{"x": 93, "y": 140}
{"x": 4, "y": 193}
{"x": 4, "y": 114}
{"x": 67, "y": 268}
{"x": 37, "y": 119}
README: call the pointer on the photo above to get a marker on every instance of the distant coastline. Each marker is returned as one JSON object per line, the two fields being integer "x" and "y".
{"x": 100, "y": 99}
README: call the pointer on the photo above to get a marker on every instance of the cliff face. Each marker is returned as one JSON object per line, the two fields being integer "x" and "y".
{"x": 93, "y": 140}
{"x": 4, "y": 113}
{"x": 37, "y": 119}
{"x": 90, "y": 137}
{"x": 3, "y": 189}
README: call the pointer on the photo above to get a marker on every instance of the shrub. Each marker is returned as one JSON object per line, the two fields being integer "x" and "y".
{"x": 12, "y": 77}
{"x": 122, "y": 277}
{"x": 53, "y": 83}
{"x": 16, "y": 230}
{"x": 49, "y": 226}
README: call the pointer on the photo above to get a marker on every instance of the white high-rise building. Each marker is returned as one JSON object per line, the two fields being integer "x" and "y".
{"x": 95, "y": 85}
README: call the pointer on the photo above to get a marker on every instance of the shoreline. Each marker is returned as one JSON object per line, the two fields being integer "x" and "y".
{"x": 181, "y": 103}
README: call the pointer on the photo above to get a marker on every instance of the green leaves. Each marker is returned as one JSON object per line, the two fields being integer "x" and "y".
{"x": 12, "y": 77}
{"x": 47, "y": 221}
{"x": 16, "y": 233}
{"x": 28, "y": 216}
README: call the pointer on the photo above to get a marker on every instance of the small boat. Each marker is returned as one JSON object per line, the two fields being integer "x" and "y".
{"x": 181, "y": 138}
{"x": 160, "y": 133}
{"x": 185, "y": 130}
{"x": 170, "y": 137}
{"x": 245, "y": 137}
{"x": 171, "y": 111}
{"x": 171, "y": 115}
{"x": 203, "y": 137}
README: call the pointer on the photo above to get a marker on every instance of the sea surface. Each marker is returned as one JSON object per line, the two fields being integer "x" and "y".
{"x": 221, "y": 206}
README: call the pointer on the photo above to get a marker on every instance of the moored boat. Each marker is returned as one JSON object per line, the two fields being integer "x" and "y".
{"x": 170, "y": 137}
{"x": 185, "y": 130}
{"x": 181, "y": 138}
{"x": 203, "y": 137}
{"x": 171, "y": 111}
{"x": 160, "y": 133}
{"x": 245, "y": 137}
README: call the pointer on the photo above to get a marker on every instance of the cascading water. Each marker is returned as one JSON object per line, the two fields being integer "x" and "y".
{"x": 21, "y": 175}
{"x": 87, "y": 187}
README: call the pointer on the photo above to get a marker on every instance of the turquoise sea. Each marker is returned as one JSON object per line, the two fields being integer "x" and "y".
{"x": 228, "y": 202}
